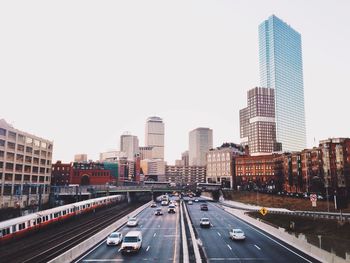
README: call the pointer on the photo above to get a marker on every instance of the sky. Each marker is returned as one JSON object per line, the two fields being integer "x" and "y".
{"x": 81, "y": 73}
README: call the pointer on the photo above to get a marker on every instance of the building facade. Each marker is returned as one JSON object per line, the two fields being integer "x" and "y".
{"x": 257, "y": 122}
{"x": 153, "y": 169}
{"x": 82, "y": 157}
{"x": 25, "y": 168}
{"x": 221, "y": 164}
{"x": 130, "y": 145}
{"x": 185, "y": 158}
{"x": 281, "y": 68}
{"x": 185, "y": 175}
{"x": 112, "y": 156}
{"x": 259, "y": 172}
{"x": 200, "y": 141}
{"x": 85, "y": 173}
{"x": 146, "y": 152}
{"x": 154, "y": 136}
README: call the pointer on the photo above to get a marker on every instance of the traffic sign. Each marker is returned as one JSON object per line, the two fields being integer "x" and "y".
{"x": 263, "y": 211}
{"x": 313, "y": 197}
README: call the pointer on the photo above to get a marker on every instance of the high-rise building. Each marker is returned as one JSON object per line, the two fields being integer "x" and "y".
{"x": 257, "y": 122}
{"x": 82, "y": 157}
{"x": 200, "y": 141}
{"x": 130, "y": 145}
{"x": 281, "y": 68}
{"x": 185, "y": 158}
{"x": 146, "y": 152}
{"x": 154, "y": 136}
{"x": 25, "y": 168}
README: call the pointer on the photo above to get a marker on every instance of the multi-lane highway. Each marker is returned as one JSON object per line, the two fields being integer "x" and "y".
{"x": 161, "y": 240}
{"x": 257, "y": 247}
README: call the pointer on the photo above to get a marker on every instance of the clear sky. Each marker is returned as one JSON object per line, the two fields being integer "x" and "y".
{"x": 81, "y": 73}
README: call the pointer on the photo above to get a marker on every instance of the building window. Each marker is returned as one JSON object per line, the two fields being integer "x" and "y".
{"x": 36, "y": 143}
{"x": 20, "y": 148}
{"x": 11, "y": 145}
{"x": 26, "y": 177}
{"x": 9, "y": 166}
{"x": 8, "y": 177}
{"x": 29, "y": 141}
{"x": 2, "y": 132}
{"x": 12, "y": 135}
{"x": 18, "y": 177}
{"x": 34, "y": 179}
{"x": 29, "y": 149}
{"x": 2, "y": 143}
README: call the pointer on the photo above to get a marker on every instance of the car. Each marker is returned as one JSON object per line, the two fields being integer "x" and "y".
{"x": 190, "y": 202}
{"x": 237, "y": 234}
{"x": 132, "y": 242}
{"x": 158, "y": 212}
{"x": 204, "y": 207}
{"x": 164, "y": 203}
{"x": 171, "y": 209}
{"x": 204, "y": 222}
{"x": 114, "y": 239}
{"x": 132, "y": 221}
{"x": 153, "y": 205}
{"x": 196, "y": 200}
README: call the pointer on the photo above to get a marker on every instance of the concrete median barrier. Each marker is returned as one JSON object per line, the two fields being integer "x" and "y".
{"x": 73, "y": 253}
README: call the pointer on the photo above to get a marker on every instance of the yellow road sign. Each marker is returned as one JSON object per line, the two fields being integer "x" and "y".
{"x": 263, "y": 211}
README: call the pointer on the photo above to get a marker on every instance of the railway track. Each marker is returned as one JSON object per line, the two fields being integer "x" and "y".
{"x": 50, "y": 244}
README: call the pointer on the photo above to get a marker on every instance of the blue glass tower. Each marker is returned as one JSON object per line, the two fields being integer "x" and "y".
{"x": 281, "y": 68}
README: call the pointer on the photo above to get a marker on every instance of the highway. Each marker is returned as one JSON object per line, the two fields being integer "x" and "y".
{"x": 161, "y": 240}
{"x": 258, "y": 246}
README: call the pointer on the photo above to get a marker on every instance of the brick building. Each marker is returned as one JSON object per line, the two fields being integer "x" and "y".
{"x": 81, "y": 173}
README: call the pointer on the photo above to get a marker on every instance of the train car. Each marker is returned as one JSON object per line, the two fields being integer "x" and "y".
{"x": 19, "y": 226}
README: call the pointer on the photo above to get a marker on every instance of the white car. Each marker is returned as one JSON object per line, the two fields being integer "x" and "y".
{"x": 158, "y": 212}
{"x": 114, "y": 239}
{"x": 190, "y": 202}
{"x": 204, "y": 222}
{"x": 132, "y": 242}
{"x": 237, "y": 234}
{"x": 132, "y": 221}
{"x": 196, "y": 200}
{"x": 164, "y": 203}
{"x": 171, "y": 209}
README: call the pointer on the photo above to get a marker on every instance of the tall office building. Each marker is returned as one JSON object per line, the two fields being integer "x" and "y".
{"x": 281, "y": 68}
{"x": 154, "y": 136}
{"x": 257, "y": 122}
{"x": 130, "y": 145}
{"x": 200, "y": 141}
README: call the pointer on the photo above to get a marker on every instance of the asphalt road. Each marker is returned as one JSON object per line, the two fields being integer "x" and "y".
{"x": 160, "y": 240}
{"x": 258, "y": 246}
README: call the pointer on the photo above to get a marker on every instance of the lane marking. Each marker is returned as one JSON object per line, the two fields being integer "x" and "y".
{"x": 175, "y": 246}
{"x": 257, "y": 247}
{"x": 120, "y": 249}
{"x": 103, "y": 260}
{"x": 147, "y": 248}
{"x": 237, "y": 259}
{"x": 219, "y": 234}
{"x": 229, "y": 246}
{"x": 154, "y": 234}
{"x": 295, "y": 253}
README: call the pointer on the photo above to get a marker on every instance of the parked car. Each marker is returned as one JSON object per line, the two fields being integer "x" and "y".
{"x": 132, "y": 221}
{"x": 158, "y": 212}
{"x": 204, "y": 222}
{"x": 237, "y": 234}
{"x": 114, "y": 239}
{"x": 132, "y": 242}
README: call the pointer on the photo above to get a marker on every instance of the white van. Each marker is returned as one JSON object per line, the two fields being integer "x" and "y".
{"x": 132, "y": 242}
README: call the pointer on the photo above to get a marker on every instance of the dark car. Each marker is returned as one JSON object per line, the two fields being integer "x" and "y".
{"x": 204, "y": 207}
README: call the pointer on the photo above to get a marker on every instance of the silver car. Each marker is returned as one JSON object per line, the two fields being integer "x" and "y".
{"x": 114, "y": 239}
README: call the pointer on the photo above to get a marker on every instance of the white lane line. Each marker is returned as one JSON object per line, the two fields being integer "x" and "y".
{"x": 211, "y": 224}
{"x": 257, "y": 247}
{"x": 255, "y": 229}
{"x": 147, "y": 248}
{"x": 219, "y": 234}
{"x": 237, "y": 259}
{"x": 104, "y": 260}
{"x": 120, "y": 249}
{"x": 229, "y": 246}
{"x": 154, "y": 234}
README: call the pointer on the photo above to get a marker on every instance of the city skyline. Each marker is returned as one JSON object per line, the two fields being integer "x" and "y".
{"x": 192, "y": 73}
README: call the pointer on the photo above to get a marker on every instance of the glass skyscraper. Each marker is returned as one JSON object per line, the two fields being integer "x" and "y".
{"x": 281, "y": 68}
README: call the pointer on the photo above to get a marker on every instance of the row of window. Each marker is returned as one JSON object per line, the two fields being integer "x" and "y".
{"x": 25, "y": 177}
{"x": 21, "y": 138}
